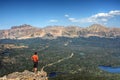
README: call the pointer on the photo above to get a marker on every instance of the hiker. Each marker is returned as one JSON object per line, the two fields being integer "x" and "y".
{"x": 35, "y": 62}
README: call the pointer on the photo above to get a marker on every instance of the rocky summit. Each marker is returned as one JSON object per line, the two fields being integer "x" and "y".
{"x": 51, "y": 32}
{"x": 26, "y": 75}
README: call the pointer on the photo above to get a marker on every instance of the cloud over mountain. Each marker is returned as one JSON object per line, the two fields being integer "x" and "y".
{"x": 96, "y": 18}
{"x": 103, "y": 17}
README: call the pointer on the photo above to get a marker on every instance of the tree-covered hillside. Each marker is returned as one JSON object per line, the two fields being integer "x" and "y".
{"x": 89, "y": 53}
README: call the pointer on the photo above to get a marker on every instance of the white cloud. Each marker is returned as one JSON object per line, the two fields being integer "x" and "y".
{"x": 53, "y": 20}
{"x": 66, "y": 15}
{"x": 71, "y": 19}
{"x": 115, "y": 13}
{"x": 99, "y": 17}
{"x": 103, "y": 17}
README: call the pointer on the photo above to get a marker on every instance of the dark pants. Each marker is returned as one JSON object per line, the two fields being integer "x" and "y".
{"x": 35, "y": 64}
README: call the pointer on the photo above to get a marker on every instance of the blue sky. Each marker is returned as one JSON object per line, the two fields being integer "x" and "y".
{"x": 42, "y": 13}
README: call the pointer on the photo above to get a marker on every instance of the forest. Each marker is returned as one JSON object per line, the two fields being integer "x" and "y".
{"x": 89, "y": 53}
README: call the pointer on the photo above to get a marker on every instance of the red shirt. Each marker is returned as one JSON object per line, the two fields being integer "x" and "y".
{"x": 35, "y": 58}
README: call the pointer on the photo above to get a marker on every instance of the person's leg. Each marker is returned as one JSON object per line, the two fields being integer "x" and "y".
{"x": 35, "y": 70}
{"x": 35, "y": 67}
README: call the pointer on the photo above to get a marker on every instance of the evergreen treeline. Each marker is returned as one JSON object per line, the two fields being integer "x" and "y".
{"x": 89, "y": 53}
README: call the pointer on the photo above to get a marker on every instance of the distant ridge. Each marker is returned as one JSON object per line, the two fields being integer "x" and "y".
{"x": 27, "y": 31}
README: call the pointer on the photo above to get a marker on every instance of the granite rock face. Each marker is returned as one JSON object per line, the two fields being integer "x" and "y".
{"x": 26, "y": 75}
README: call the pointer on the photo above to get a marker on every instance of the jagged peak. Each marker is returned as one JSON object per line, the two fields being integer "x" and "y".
{"x": 22, "y": 26}
{"x": 97, "y": 27}
{"x": 27, "y": 31}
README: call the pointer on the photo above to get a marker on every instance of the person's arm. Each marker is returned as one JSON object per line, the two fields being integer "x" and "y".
{"x": 37, "y": 58}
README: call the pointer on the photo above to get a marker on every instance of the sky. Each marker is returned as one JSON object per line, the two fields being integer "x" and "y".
{"x": 42, "y": 13}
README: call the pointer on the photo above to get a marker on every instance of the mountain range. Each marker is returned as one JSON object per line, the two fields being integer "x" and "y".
{"x": 51, "y": 32}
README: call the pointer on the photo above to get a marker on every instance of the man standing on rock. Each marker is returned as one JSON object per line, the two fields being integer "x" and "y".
{"x": 35, "y": 62}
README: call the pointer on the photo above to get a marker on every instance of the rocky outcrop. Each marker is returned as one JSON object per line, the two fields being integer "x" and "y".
{"x": 52, "y": 32}
{"x": 26, "y": 75}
